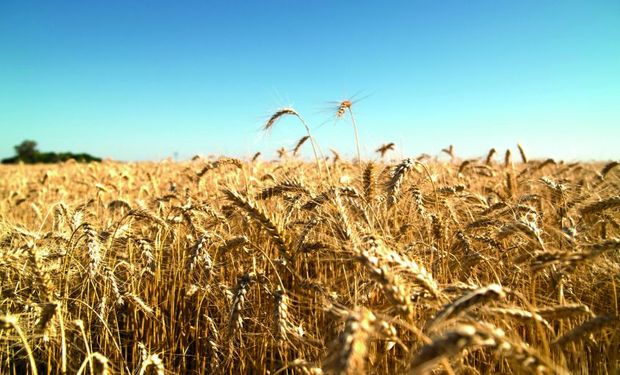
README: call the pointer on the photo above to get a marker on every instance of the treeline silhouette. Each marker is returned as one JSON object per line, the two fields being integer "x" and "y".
{"x": 27, "y": 152}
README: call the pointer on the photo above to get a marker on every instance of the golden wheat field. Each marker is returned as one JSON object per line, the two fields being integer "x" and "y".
{"x": 218, "y": 265}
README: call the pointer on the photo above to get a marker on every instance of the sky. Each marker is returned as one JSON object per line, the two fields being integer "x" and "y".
{"x": 147, "y": 80}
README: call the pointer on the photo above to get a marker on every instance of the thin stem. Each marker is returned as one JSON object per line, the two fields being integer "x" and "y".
{"x": 80, "y": 324}
{"x": 357, "y": 142}
{"x": 314, "y": 148}
{"x": 63, "y": 342}
{"x": 12, "y": 321}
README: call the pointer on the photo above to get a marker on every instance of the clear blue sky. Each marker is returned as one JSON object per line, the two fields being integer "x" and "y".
{"x": 137, "y": 80}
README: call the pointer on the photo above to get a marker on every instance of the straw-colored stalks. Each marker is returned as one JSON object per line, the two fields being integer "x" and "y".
{"x": 222, "y": 265}
{"x": 10, "y": 322}
{"x": 41, "y": 278}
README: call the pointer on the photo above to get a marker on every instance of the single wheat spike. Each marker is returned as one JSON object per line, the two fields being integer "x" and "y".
{"x": 398, "y": 175}
{"x": 300, "y": 143}
{"x": 526, "y": 227}
{"x": 282, "y": 323}
{"x": 600, "y": 247}
{"x": 256, "y": 156}
{"x": 437, "y": 229}
{"x": 564, "y": 311}
{"x": 521, "y": 314}
{"x": 607, "y": 168}
{"x": 42, "y": 279}
{"x": 418, "y": 198}
{"x": 219, "y": 163}
{"x": 509, "y": 184}
{"x": 199, "y": 254}
{"x": 507, "y": 158}
{"x": 234, "y": 243}
{"x": 489, "y": 158}
{"x": 116, "y": 287}
{"x": 235, "y": 321}
{"x": 349, "y": 351}
{"x": 522, "y": 153}
{"x": 336, "y": 156}
{"x": 100, "y": 364}
{"x": 384, "y": 148}
{"x": 304, "y": 367}
{"x": 590, "y": 326}
{"x": 287, "y": 186}
{"x": 450, "y": 344}
{"x": 153, "y": 365}
{"x": 118, "y": 204}
{"x": 492, "y": 292}
{"x": 147, "y": 257}
{"x": 544, "y": 259}
{"x": 48, "y": 310}
{"x": 526, "y": 359}
{"x": 276, "y": 233}
{"x": 141, "y": 213}
{"x": 451, "y": 190}
{"x": 390, "y": 283}
{"x": 600, "y": 206}
{"x": 449, "y": 150}
{"x": 463, "y": 166}
{"x": 369, "y": 181}
{"x": 141, "y": 305}
{"x": 278, "y": 114}
{"x": 408, "y": 267}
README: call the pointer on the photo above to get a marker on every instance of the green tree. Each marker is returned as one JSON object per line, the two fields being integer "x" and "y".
{"x": 27, "y": 151}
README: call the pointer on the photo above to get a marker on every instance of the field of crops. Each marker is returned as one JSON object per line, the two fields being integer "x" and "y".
{"x": 490, "y": 265}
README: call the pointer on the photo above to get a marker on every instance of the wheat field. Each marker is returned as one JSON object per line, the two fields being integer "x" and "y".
{"x": 219, "y": 265}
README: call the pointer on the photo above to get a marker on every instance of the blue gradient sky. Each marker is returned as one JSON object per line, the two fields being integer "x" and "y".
{"x": 137, "y": 80}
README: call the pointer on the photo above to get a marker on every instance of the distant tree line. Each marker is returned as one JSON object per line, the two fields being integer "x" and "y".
{"x": 27, "y": 152}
